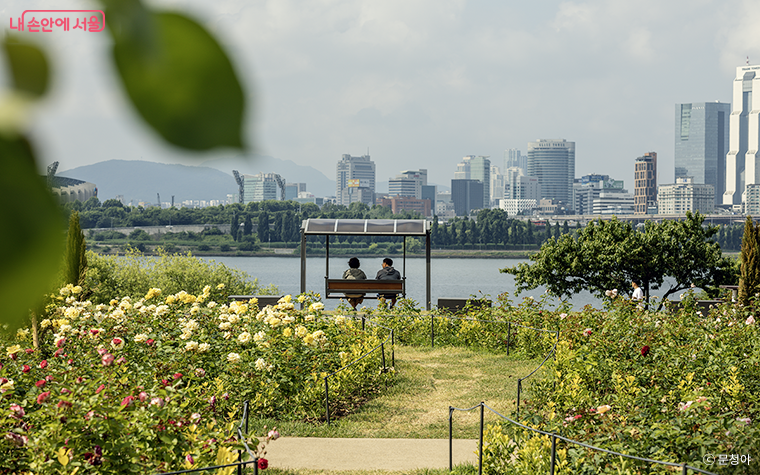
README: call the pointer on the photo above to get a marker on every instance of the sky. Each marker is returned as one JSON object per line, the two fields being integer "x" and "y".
{"x": 422, "y": 83}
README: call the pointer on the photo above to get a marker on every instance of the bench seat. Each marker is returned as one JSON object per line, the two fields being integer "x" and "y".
{"x": 363, "y": 286}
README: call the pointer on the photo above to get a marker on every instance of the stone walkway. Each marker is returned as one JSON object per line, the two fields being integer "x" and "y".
{"x": 368, "y": 454}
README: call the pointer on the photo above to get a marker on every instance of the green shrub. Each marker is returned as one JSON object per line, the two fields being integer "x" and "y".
{"x": 134, "y": 274}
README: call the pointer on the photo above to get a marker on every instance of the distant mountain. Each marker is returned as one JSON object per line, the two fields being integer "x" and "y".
{"x": 140, "y": 181}
{"x": 316, "y": 181}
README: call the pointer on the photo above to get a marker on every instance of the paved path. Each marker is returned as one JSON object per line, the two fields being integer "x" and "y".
{"x": 368, "y": 454}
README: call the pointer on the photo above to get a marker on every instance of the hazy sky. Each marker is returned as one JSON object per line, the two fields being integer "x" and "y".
{"x": 421, "y": 83}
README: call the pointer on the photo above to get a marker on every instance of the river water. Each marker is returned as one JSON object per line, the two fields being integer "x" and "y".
{"x": 452, "y": 277}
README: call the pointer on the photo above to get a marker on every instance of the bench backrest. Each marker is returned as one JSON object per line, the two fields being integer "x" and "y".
{"x": 365, "y": 285}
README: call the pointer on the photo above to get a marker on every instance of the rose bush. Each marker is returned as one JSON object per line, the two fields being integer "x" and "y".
{"x": 672, "y": 386}
{"x": 153, "y": 383}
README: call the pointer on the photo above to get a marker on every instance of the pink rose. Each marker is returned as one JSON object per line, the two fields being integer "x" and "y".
{"x": 189, "y": 459}
{"x": 102, "y": 351}
{"x": 65, "y": 391}
{"x": 177, "y": 375}
{"x": 143, "y": 396}
{"x": 60, "y": 342}
{"x": 100, "y": 388}
{"x": 63, "y": 404}
{"x": 43, "y": 397}
{"x": 107, "y": 359}
{"x": 127, "y": 401}
{"x": 41, "y": 383}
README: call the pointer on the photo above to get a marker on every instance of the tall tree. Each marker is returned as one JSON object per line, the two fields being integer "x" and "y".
{"x": 235, "y": 226}
{"x": 609, "y": 254}
{"x": 76, "y": 258}
{"x": 749, "y": 281}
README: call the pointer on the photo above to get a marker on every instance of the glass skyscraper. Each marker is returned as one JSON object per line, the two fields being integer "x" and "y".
{"x": 553, "y": 163}
{"x": 701, "y": 146}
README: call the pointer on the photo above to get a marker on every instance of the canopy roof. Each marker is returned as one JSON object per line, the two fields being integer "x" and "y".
{"x": 367, "y": 227}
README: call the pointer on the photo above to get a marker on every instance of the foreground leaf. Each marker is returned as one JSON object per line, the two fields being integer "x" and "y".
{"x": 28, "y": 66}
{"x": 180, "y": 80}
{"x": 31, "y": 236}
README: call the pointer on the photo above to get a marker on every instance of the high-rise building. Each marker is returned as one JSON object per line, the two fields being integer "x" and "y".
{"x": 645, "y": 183}
{"x": 599, "y": 192}
{"x": 513, "y": 158}
{"x": 355, "y": 180}
{"x": 553, "y": 163}
{"x": 293, "y": 189}
{"x": 467, "y": 195}
{"x": 497, "y": 185}
{"x": 260, "y": 187}
{"x": 476, "y": 167}
{"x": 743, "y": 159}
{"x": 685, "y": 195}
{"x": 408, "y": 183}
{"x": 701, "y": 138}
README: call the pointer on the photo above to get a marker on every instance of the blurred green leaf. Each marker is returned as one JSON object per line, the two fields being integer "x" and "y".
{"x": 31, "y": 234}
{"x": 28, "y": 66}
{"x": 180, "y": 80}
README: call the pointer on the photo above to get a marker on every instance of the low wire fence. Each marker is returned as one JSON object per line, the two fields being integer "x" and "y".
{"x": 379, "y": 348}
{"x": 554, "y": 438}
{"x": 240, "y": 463}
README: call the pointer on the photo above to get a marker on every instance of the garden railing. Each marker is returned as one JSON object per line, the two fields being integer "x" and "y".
{"x": 240, "y": 463}
{"x": 554, "y": 437}
{"x": 380, "y": 347}
{"x": 552, "y": 353}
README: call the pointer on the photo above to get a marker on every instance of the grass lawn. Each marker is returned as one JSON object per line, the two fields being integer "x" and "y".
{"x": 417, "y": 406}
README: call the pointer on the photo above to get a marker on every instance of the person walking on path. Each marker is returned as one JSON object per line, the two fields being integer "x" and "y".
{"x": 353, "y": 272}
{"x": 388, "y": 273}
{"x": 638, "y": 294}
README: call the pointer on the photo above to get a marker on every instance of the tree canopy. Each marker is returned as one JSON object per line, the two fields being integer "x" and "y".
{"x": 608, "y": 255}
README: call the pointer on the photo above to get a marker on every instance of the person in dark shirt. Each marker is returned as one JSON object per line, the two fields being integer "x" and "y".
{"x": 353, "y": 272}
{"x": 388, "y": 273}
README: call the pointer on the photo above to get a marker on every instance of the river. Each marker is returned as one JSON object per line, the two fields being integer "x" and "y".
{"x": 453, "y": 277}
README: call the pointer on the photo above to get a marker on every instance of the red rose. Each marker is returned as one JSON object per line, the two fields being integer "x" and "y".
{"x": 177, "y": 375}
{"x": 29, "y": 351}
{"x": 263, "y": 464}
{"x": 41, "y": 383}
{"x": 644, "y": 350}
{"x": 64, "y": 404}
{"x": 43, "y": 397}
{"x": 25, "y": 368}
{"x": 149, "y": 341}
{"x": 43, "y": 364}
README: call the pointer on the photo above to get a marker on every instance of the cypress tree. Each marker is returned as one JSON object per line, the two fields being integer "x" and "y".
{"x": 749, "y": 281}
{"x": 75, "y": 265}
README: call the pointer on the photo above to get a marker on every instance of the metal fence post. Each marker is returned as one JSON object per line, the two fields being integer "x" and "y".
{"x": 685, "y": 470}
{"x": 393, "y": 347}
{"x": 480, "y": 445}
{"x": 554, "y": 454}
{"x": 327, "y": 401}
{"x": 509, "y": 335}
{"x": 519, "y": 388}
{"x": 382, "y": 349}
{"x": 432, "y": 331}
{"x": 451, "y": 437}
{"x": 363, "y": 322}
{"x": 256, "y": 467}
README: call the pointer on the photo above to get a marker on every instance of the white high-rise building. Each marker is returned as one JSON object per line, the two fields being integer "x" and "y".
{"x": 355, "y": 180}
{"x": 743, "y": 159}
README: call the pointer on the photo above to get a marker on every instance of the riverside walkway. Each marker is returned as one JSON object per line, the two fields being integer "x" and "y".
{"x": 317, "y": 453}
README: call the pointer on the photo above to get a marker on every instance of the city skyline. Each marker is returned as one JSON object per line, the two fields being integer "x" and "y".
{"x": 422, "y": 84}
